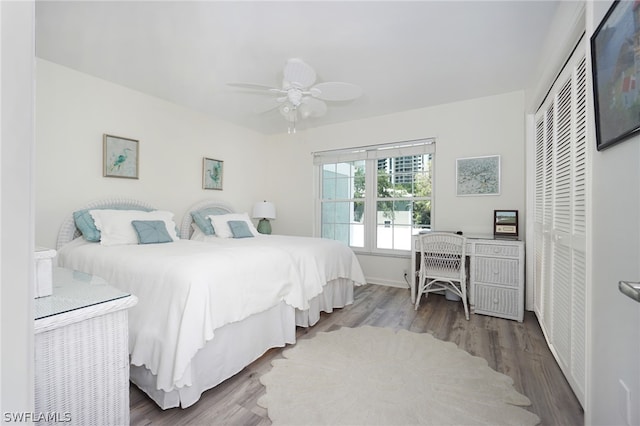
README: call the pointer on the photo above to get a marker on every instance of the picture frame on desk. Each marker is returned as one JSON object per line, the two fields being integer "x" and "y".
{"x": 505, "y": 223}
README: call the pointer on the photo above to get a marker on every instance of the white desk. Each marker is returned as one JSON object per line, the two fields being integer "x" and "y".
{"x": 496, "y": 276}
{"x": 81, "y": 352}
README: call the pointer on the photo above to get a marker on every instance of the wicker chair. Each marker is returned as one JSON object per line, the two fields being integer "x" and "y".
{"x": 442, "y": 266}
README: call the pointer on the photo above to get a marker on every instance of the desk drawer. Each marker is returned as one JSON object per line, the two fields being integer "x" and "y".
{"x": 498, "y": 301}
{"x": 493, "y": 270}
{"x": 500, "y": 250}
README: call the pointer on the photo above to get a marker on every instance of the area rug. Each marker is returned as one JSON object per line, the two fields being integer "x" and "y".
{"x": 377, "y": 376}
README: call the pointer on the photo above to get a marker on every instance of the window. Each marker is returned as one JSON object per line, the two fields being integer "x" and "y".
{"x": 342, "y": 202}
{"x": 375, "y": 198}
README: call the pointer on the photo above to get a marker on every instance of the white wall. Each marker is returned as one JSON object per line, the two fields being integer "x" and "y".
{"x": 16, "y": 198}
{"x": 614, "y": 320}
{"x": 74, "y": 110}
{"x": 477, "y": 127}
{"x": 566, "y": 28}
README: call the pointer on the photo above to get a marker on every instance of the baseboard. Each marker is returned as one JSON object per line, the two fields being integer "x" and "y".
{"x": 387, "y": 282}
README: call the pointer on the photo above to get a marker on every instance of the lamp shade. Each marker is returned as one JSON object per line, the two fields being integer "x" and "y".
{"x": 264, "y": 210}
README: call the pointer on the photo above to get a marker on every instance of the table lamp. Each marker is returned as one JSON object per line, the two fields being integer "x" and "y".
{"x": 264, "y": 211}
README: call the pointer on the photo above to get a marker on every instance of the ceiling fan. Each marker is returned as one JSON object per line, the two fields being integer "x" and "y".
{"x": 299, "y": 96}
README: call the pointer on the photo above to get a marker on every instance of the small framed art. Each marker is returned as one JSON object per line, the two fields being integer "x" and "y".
{"x": 478, "y": 175}
{"x": 505, "y": 223}
{"x": 120, "y": 157}
{"x": 212, "y": 173}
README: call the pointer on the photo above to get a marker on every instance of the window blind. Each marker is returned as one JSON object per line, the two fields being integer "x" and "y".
{"x": 397, "y": 149}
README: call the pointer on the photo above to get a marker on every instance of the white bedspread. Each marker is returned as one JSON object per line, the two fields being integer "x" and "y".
{"x": 318, "y": 260}
{"x": 186, "y": 289}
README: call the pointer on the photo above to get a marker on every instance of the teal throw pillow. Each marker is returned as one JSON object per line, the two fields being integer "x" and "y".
{"x": 86, "y": 225}
{"x": 203, "y": 222}
{"x": 240, "y": 229}
{"x": 151, "y": 231}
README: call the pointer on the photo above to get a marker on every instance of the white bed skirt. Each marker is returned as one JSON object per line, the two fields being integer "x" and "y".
{"x": 336, "y": 294}
{"x": 234, "y": 346}
{"x": 238, "y": 344}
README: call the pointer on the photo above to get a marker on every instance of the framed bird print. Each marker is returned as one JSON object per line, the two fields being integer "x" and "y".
{"x": 212, "y": 173}
{"x": 120, "y": 157}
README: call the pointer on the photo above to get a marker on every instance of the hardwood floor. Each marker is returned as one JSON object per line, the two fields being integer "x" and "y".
{"x": 515, "y": 349}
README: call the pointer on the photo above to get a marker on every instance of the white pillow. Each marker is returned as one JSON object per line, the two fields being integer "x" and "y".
{"x": 219, "y": 222}
{"x": 197, "y": 234}
{"x": 115, "y": 225}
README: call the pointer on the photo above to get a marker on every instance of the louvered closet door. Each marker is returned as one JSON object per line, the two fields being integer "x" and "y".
{"x": 560, "y": 218}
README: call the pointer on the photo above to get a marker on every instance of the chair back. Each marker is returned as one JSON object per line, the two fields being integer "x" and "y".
{"x": 443, "y": 254}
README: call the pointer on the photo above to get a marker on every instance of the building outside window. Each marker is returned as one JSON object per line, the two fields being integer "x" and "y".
{"x": 375, "y": 198}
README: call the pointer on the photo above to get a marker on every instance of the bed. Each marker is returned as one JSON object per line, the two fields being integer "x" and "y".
{"x": 328, "y": 269}
{"x": 204, "y": 278}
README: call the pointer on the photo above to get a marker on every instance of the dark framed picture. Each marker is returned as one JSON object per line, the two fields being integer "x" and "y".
{"x": 505, "y": 223}
{"x": 120, "y": 157}
{"x": 212, "y": 173}
{"x": 616, "y": 74}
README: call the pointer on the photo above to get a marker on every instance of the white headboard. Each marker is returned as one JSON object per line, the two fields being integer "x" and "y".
{"x": 187, "y": 220}
{"x": 69, "y": 231}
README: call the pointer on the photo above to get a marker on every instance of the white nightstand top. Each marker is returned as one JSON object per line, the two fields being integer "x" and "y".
{"x": 77, "y": 296}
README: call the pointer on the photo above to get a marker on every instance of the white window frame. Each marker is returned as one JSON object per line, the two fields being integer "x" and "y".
{"x": 371, "y": 154}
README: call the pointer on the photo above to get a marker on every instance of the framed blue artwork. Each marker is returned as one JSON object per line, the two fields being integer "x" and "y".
{"x": 478, "y": 175}
{"x": 212, "y": 173}
{"x": 120, "y": 157}
{"x": 616, "y": 74}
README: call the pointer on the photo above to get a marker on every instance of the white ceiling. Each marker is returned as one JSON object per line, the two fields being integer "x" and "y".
{"x": 404, "y": 55}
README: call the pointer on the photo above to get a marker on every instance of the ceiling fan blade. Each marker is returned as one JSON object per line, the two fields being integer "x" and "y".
{"x": 336, "y": 91}
{"x": 252, "y": 86}
{"x": 265, "y": 107}
{"x": 298, "y": 73}
{"x": 311, "y": 107}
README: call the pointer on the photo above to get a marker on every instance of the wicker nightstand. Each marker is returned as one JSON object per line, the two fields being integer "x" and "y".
{"x": 81, "y": 351}
{"x": 497, "y": 278}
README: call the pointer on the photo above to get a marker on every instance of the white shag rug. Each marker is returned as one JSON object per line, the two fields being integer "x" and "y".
{"x": 377, "y": 376}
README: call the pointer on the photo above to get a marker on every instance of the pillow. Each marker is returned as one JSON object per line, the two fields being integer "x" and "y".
{"x": 197, "y": 233}
{"x": 222, "y": 228}
{"x": 240, "y": 229}
{"x": 201, "y": 219}
{"x": 151, "y": 231}
{"x": 115, "y": 225}
{"x": 84, "y": 221}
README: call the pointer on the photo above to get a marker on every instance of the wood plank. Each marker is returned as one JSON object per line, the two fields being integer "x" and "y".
{"x": 518, "y": 350}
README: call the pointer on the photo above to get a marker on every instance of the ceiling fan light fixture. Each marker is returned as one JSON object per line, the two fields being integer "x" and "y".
{"x": 288, "y": 111}
{"x": 304, "y": 111}
{"x": 294, "y": 96}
